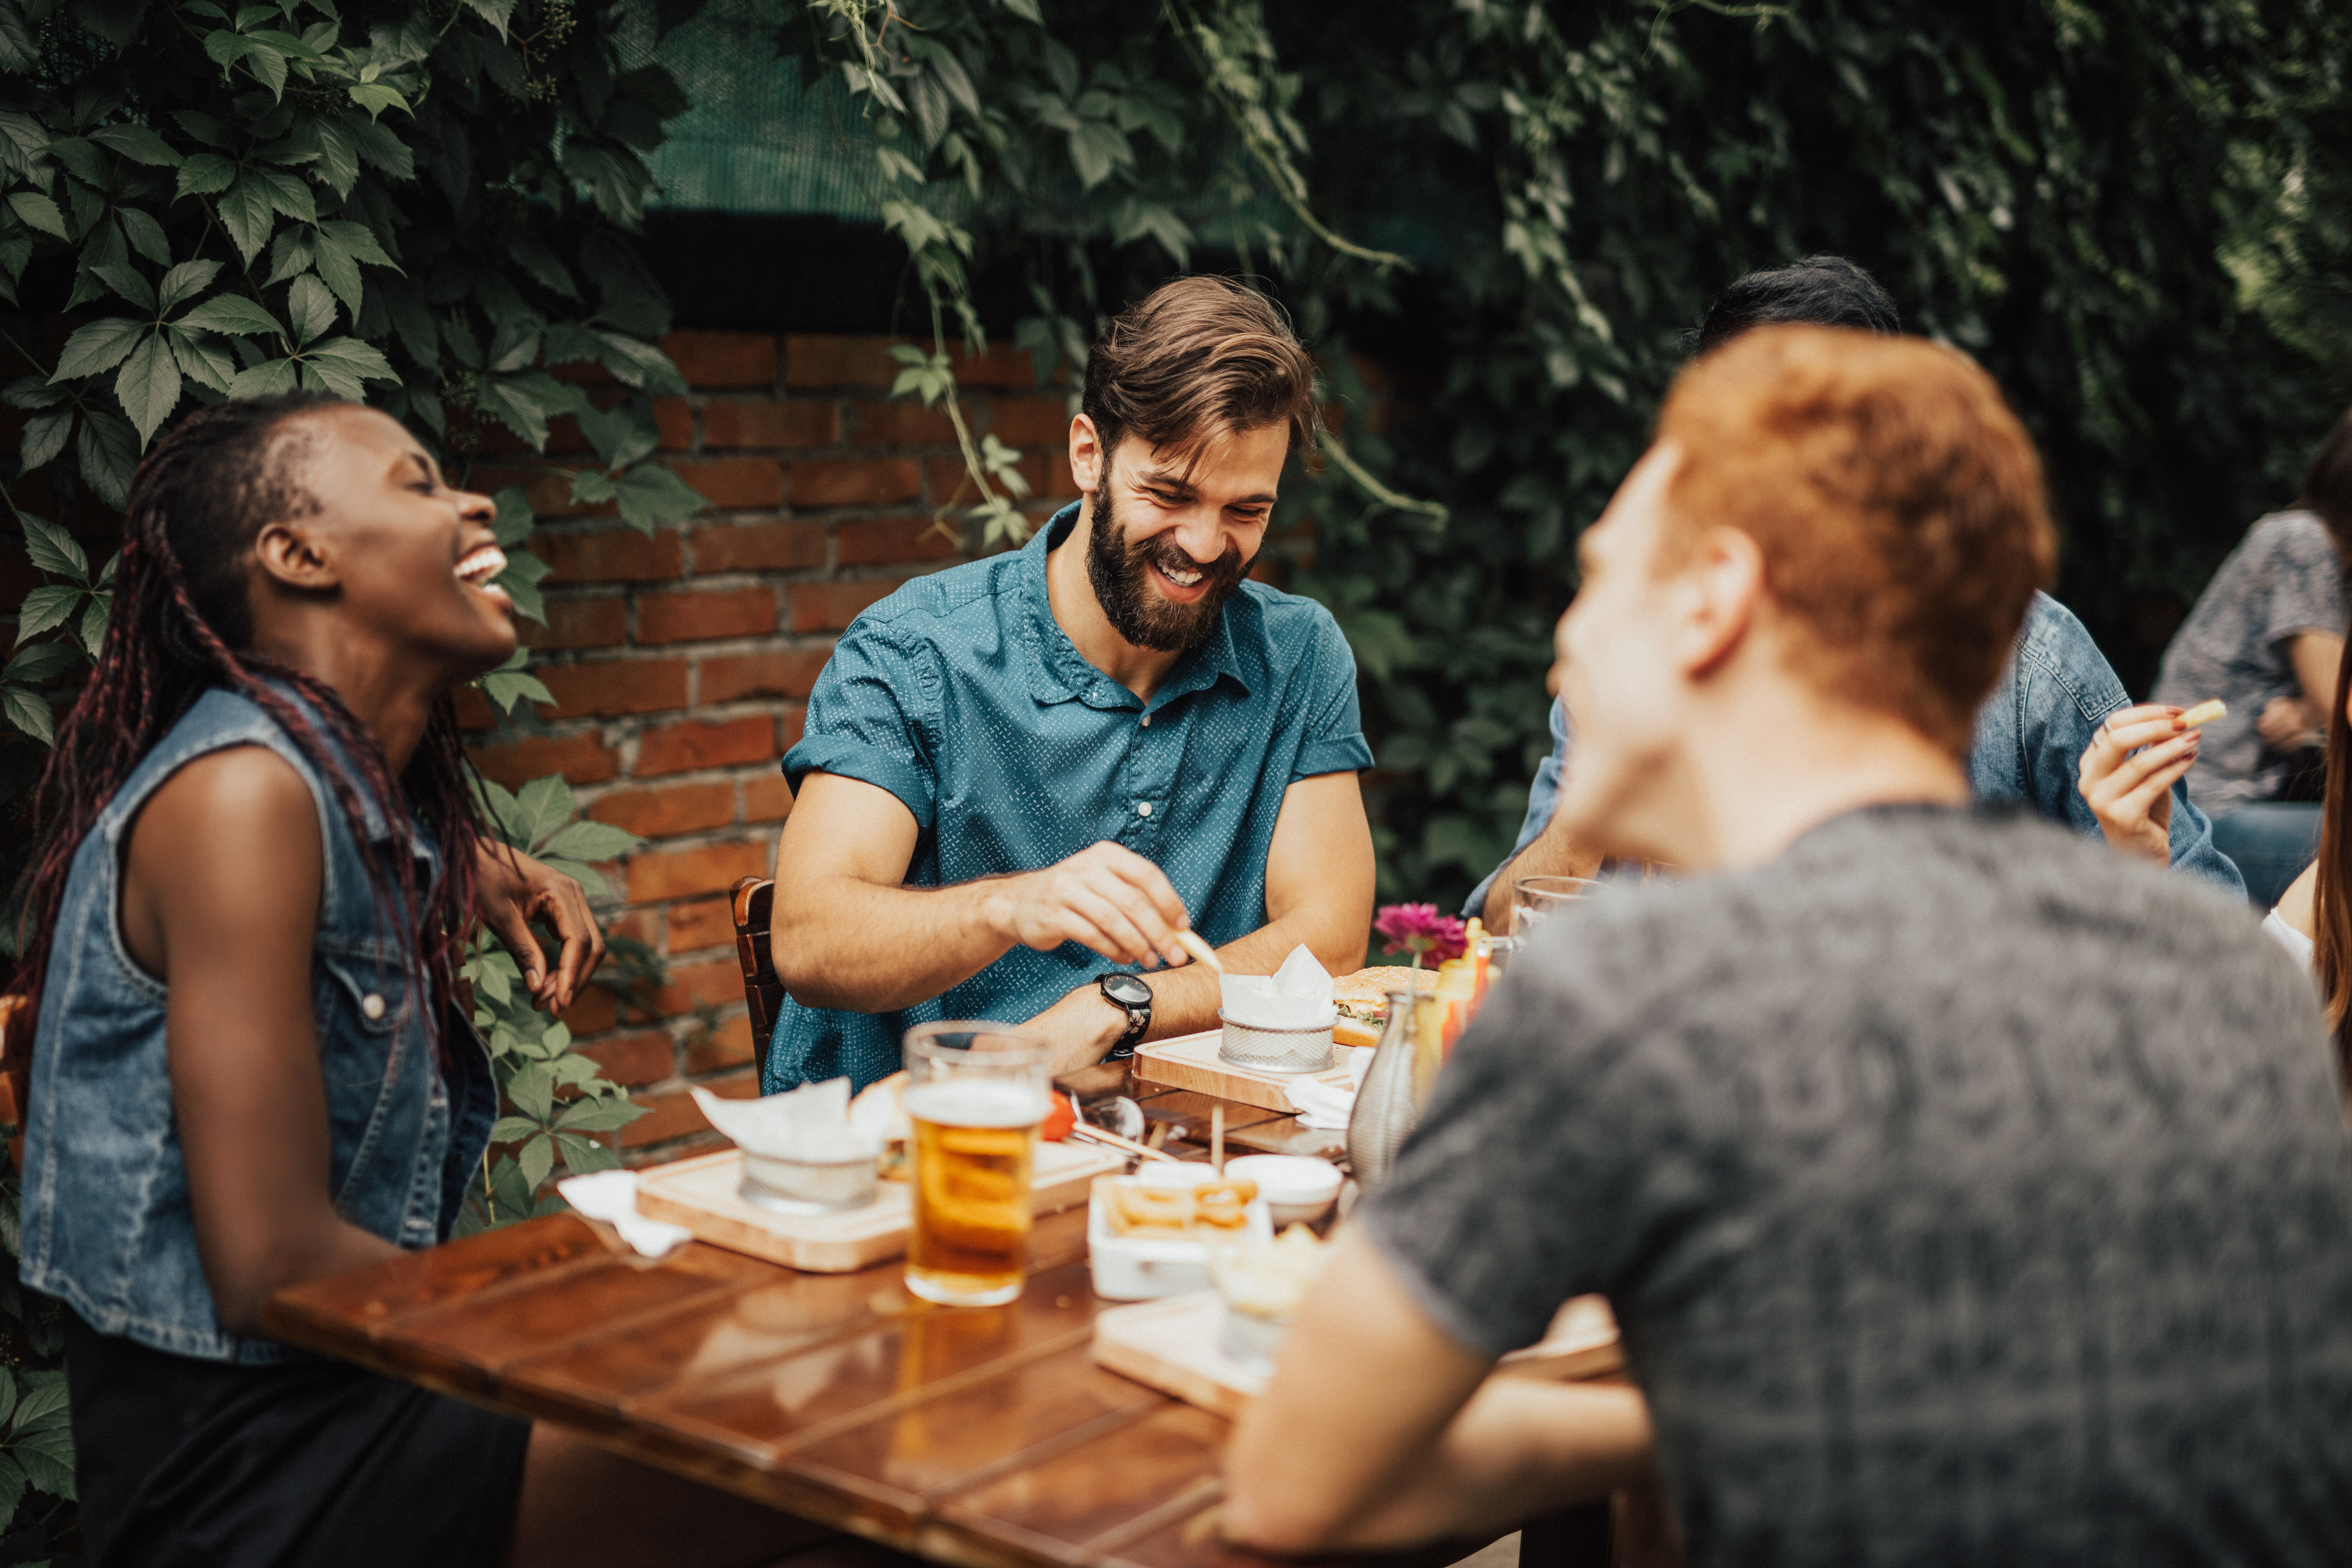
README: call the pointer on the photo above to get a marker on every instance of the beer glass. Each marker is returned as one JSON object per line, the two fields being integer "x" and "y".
{"x": 975, "y": 1094}
{"x": 1534, "y": 898}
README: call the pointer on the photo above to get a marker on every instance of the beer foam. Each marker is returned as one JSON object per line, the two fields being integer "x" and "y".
{"x": 977, "y": 1102}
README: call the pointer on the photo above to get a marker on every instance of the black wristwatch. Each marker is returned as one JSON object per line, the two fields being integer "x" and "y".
{"x": 1129, "y": 994}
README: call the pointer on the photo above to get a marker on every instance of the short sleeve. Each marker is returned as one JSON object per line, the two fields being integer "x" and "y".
{"x": 1550, "y": 1147}
{"x": 1333, "y": 740}
{"x": 2306, "y": 585}
{"x": 860, "y": 724}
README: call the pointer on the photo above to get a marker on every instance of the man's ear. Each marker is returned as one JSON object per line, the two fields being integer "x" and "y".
{"x": 1086, "y": 455}
{"x": 1721, "y": 581}
{"x": 287, "y": 554}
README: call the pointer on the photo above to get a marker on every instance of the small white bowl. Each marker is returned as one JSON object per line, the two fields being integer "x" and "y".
{"x": 1297, "y": 1188}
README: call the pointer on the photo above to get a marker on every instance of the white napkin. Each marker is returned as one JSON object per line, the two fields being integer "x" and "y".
{"x": 809, "y": 1123}
{"x": 1295, "y": 997}
{"x": 1326, "y": 1106}
{"x": 612, "y": 1197}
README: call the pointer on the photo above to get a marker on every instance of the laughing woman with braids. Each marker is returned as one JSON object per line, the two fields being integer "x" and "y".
{"x": 259, "y": 863}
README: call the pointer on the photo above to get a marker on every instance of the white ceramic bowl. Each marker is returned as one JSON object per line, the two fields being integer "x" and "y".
{"x": 1297, "y": 1188}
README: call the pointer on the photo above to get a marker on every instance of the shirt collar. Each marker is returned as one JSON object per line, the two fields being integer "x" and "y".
{"x": 1062, "y": 673}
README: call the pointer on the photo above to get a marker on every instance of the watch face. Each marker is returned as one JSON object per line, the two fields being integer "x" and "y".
{"x": 1126, "y": 990}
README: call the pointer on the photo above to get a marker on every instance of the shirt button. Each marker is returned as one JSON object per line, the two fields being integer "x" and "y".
{"x": 1143, "y": 808}
{"x": 372, "y": 1006}
{"x": 1147, "y": 720}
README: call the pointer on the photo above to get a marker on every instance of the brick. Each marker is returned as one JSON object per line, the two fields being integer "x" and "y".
{"x": 711, "y": 983}
{"x": 613, "y": 687}
{"x": 767, "y": 798}
{"x": 1001, "y": 366}
{"x": 789, "y": 725}
{"x": 949, "y": 481}
{"x": 580, "y": 759}
{"x": 831, "y": 606}
{"x": 612, "y": 555}
{"x": 765, "y": 422}
{"x": 708, "y": 922}
{"x": 886, "y": 540}
{"x": 681, "y": 748}
{"x": 665, "y": 813}
{"x": 676, "y": 419}
{"x": 854, "y": 481}
{"x": 705, "y": 870}
{"x": 1030, "y": 421}
{"x": 736, "y": 677}
{"x": 601, "y": 622}
{"x": 697, "y": 618}
{"x": 632, "y": 1060}
{"x": 722, "y": 359}
{"x": 1057, "y": 482}
{"x": 735, "y": 483}
{"x": 474, "y": 709}
{"x": 835, "y": 360}
{"x": 726, "y": 1044}
{"x": 758, "y": 547}
{"x": 904, "y": 422}
{"x": 594, "y": 1011}
{"x": 672, "y": 1114}
{"x": 548, "y": 493}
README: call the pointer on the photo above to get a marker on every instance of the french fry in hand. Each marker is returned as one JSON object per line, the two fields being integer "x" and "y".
{"x": 1190, "y": 941}
{"x": 2204, "y": 714}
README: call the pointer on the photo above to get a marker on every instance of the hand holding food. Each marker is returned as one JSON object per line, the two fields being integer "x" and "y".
{"x": 1106, "y": 897}
{"x": 2128, "y": 771}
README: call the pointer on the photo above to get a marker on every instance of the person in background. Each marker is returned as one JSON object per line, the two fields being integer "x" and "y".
{"x": 2033, "y": 729}
{"x": 2312, "y": 918}
{"x": 1965, "y": 1192}
{"x": 1076, "y": 748}
{"x": 2265, "y": 638}
{"x": 259, "y": 862}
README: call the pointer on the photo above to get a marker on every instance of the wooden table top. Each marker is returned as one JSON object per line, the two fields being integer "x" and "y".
{"x": 984, "y": 1437}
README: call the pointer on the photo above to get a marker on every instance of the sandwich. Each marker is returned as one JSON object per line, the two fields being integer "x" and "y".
{"x": 1362, "y": 999}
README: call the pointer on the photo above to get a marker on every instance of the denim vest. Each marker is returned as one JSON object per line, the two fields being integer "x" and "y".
{"x": 108, "y": 1226}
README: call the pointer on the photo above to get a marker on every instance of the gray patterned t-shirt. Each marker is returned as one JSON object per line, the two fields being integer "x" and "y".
{"x": 2283, "y": 579}
{"x": 1966, "y": 1192}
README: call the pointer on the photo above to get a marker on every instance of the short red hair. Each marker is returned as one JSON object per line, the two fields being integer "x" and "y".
{"x": 1897, "y": 500}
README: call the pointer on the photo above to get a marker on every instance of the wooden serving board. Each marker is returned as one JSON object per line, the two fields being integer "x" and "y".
{"x": 1191, "y": 1061}
{"x": 1171, "y": 1345}
{"x": 701, "y": 1196}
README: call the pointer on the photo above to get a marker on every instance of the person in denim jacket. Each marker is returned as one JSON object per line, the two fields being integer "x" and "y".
{"x": 2031, "y": 735}
{"x": 261, "y": 860}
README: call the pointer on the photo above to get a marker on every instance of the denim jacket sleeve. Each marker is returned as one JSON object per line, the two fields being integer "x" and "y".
{"x": 2033, "y": 731}
{"x": 1543, "y": 797}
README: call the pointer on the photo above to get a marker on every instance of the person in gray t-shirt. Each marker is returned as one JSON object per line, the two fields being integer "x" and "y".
{"x": 1964, "y": 1193}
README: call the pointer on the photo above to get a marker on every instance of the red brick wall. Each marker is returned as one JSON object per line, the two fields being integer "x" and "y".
{"x": 681, "y": 663}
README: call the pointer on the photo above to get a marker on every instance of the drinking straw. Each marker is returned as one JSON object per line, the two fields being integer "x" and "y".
{"x": 1217, "y": 1141}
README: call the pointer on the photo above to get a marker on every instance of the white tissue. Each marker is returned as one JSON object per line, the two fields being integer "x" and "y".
{"x": 612, "y": 1197}
{"x": 1326, "y": 1106}
{"x": 1295, "y": 997}
{"x": 809, "y": 1123}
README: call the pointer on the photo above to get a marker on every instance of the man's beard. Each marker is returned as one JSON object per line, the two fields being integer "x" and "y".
{"x": 1119, "y": 569}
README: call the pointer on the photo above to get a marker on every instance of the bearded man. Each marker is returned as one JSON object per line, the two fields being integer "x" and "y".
{"x": 1084, "y": 747}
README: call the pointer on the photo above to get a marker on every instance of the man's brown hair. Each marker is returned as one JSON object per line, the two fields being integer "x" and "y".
{"x": 2327, "y": 484}
{"x": 1197, "y": 358}
{"x": 1897, "y": 500}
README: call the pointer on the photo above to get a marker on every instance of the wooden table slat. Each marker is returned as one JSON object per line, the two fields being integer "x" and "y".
{"x": 347, "y": 1308}
{"x": 1056, "y": 1506}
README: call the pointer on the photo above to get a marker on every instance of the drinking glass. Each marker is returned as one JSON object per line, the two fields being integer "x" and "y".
{"x": 975, "y": 1094}
{"x": 1535, "y": 898}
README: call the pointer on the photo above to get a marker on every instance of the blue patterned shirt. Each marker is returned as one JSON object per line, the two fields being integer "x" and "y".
{"x": 961, "y": 696}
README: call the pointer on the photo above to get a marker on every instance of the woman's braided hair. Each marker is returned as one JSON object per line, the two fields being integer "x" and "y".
{"x": 182, "y": 621}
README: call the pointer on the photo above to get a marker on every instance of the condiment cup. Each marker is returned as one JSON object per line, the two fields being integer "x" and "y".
{"x": 1297, "y": 1188}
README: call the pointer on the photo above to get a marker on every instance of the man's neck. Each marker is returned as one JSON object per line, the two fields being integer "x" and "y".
{"x": 1753, "y": 781}
{"x": 1079, "y": 614}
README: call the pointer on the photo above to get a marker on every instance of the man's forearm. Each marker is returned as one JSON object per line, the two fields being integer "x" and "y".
{"x": 840, "y": 941}
{"x": 1518, "y": 1450}
{"x": 1552, "y": 853}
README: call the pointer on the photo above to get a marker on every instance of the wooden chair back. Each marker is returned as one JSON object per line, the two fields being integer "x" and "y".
{"x": 753, "y": 903}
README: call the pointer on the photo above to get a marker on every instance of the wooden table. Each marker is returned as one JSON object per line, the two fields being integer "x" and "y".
{"x": 981, "y": 1437}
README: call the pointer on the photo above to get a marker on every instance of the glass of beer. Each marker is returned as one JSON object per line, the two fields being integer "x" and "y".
{"x": 975, "y": 1094}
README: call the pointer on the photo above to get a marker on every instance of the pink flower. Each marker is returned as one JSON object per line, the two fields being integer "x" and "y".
{"x": 1420, "y": 929}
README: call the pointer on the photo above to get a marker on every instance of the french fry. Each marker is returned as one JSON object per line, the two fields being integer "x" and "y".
{"x": 2204, "y": 714}
{"x": 1190, "y": 941}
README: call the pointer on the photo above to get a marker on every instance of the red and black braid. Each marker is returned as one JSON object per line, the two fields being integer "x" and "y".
{"x": 180, "y": 613}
